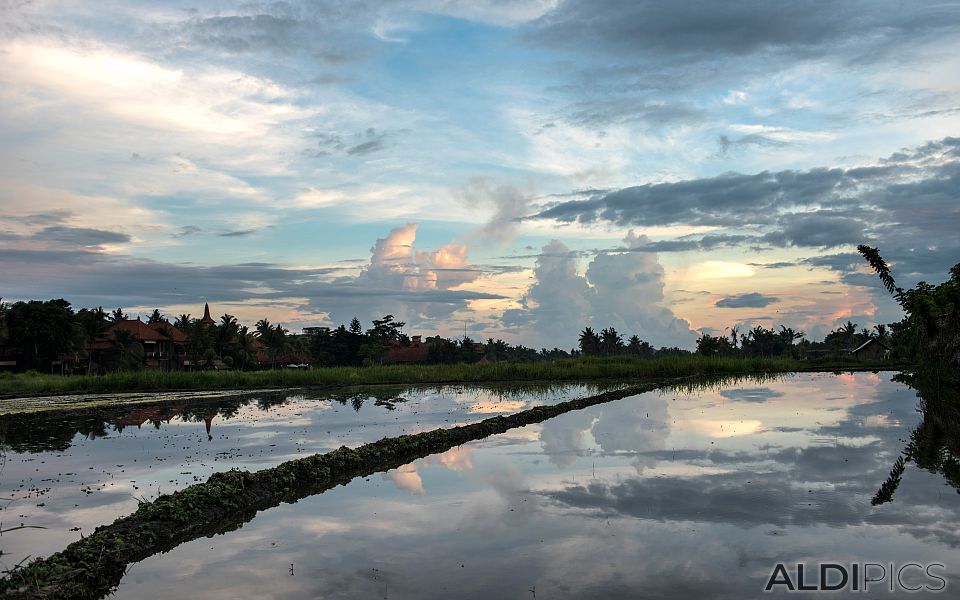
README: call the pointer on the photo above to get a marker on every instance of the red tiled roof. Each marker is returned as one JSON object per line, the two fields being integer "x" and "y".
{"x": 412, "y": 353}
{"x": 140, "y": 330}
{"x": 171, "y": 332}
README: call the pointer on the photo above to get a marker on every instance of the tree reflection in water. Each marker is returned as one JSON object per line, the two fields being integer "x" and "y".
{"x": 934, "y": 445}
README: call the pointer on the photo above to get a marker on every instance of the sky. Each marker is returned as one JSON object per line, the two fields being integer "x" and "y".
{"x": 514, "y": 170}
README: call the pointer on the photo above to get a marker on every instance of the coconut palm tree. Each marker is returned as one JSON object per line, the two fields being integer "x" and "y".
{"x": 589, "y": 342}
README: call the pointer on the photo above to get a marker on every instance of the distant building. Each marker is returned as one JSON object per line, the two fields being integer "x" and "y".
{"x": 207, "y": 319}
{"x": 418, "y": 351}
{"x": 872, "y": 349}
{"x": 164, "y": 346}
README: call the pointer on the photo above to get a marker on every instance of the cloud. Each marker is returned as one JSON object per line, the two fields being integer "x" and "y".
{"x": 62, "y": 236}
{"x": 821, "y": 229}
{"x": 418, "y": 287}
{"x": 728, "y": 145}
{"x": 611, "y": 111}
{"x": 907, "y": 203}
{"x": 704, "y": 30}
{"x": 704, "y": 243}
{"x": 509, "y": 203}
{"x": 761, "y": 394}
{"x": 557, "y": 301}
{"x": 622, "y": 289}
{"x": 750, "y": 300}
{"x": 406, "y": 478}
{"x": 363, "y": 143}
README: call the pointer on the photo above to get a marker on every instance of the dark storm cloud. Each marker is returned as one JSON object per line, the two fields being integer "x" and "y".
{"x": 643, "y": 61}
{"x": 707, "y": 242}
{"x": 725, "y": 200}
{"x": 766, "y": 500}
{"x": 708, "y": 30}
{"x": 63, "y": 236}
{"x": 822, "y": 229}
{"x": 751, "y": 300}
{"x": 908, "y": 203}
{"x": 837, "y": 482}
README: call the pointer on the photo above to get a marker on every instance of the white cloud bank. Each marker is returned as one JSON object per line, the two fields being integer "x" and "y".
{"x": 622, "y": 289}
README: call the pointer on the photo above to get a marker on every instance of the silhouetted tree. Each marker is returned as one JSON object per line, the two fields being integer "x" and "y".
{"x": 589, "y": 342}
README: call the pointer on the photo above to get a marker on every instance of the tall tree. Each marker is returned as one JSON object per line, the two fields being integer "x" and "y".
{"x": 42, "y": 331}
{"x": 589, "y": 342}
{"x": 355, "y": 326}
{"x": 611, "y": 343}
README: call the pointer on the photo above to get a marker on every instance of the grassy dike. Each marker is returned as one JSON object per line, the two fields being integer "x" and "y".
{"x": 580, "y": 369}
{"x": 94, "y": 565}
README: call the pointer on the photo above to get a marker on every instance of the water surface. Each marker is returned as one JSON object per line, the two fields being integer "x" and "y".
{"x": 661, "y": 495}
{"x": 70, "y": 471}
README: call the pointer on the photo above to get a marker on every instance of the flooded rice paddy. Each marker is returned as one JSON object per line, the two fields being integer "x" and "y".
{"x": 668, "y": 494}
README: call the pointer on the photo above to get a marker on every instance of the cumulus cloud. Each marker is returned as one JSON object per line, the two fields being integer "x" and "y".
{"x": 418, "y": 287}
{"x": 557, "y": 301}
{"x": 622, "y": 289}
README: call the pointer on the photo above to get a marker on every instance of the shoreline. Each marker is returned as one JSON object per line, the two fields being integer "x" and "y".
{"x": 27, "y": 386}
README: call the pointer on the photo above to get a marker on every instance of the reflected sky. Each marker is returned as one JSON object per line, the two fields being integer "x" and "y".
{"x": 661, "y": 495}
{"x": 70, "y": 471}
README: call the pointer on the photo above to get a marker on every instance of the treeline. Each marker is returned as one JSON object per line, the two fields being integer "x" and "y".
{"x": 609, "y": 342}
{"x": 38, "y": 333}
{"x": 792, "y": 343}
{"x": 34, "y": 334}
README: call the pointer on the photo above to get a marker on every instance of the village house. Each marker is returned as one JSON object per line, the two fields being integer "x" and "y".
{"x": 164, "y": 346}
{"x": 872, "y": 349}
{"x": 416, "y": 352}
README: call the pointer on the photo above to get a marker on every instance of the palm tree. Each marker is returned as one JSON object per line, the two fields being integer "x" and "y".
{"x": 610, "y": 341}
{"x": 155, "y": 317}
{"x": 130, "y": 351}
{"x": 881, "y": 333}
{"x": 246, "y": 351}
{"x": 734, "y": 332}
{"x": 589, "y": 342}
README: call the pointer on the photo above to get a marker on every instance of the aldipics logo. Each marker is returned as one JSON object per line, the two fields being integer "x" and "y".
{"x": 858, "y": 577}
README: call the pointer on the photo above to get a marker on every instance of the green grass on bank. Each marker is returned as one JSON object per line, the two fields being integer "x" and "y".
{"x": 22, "y": 384}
